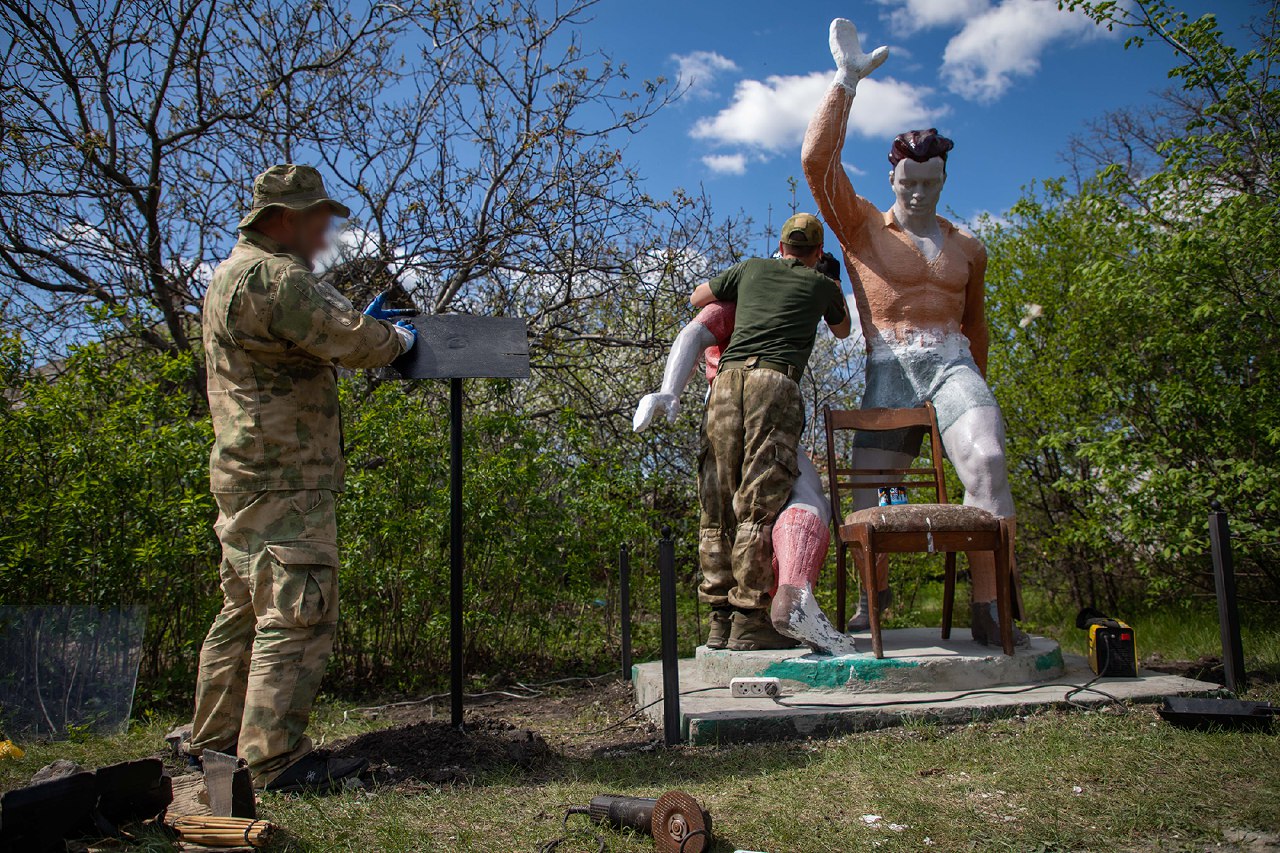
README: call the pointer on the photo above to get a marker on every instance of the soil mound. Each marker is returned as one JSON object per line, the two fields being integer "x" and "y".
{"x": 435, "y": 752}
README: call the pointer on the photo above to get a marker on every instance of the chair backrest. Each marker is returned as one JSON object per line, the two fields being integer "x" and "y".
{"x": 843, "y": 479}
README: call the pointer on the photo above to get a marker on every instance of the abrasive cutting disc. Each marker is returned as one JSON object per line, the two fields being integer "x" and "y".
{"x": 677, "y": 817}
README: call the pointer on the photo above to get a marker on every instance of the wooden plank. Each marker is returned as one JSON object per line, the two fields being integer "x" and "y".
{"x": 464, "y": 346}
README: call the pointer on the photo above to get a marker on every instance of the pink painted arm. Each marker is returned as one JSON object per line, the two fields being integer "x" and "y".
{"x": 842, "y": 209}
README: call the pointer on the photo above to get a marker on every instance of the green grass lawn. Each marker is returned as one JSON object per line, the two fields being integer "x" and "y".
{"x": 1111, "y": 779}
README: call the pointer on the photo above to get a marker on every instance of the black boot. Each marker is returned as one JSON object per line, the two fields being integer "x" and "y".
{"x": 721, "y": 625}
{"x": 315, "y": 773}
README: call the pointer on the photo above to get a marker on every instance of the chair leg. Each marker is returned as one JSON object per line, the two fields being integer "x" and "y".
{"x": 1003, "y": 590}
{"x": 869, "y": 581}
{"x": 948, "y": 594}
{"x": 842, "y": 584}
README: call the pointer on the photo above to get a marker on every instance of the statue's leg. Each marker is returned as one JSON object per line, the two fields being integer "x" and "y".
{"x": 890, "y": 384}
{"x": 975, "y": 443}
{"x": 874, "y": 457}
{"x": 801, "y": 537}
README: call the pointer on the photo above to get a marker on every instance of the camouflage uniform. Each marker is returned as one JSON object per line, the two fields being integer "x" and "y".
{"x": 273, "y": 334}
{"x": 746, "y": 470}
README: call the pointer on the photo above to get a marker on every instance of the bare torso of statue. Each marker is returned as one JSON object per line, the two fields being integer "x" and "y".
{"x": 918, "y": 282}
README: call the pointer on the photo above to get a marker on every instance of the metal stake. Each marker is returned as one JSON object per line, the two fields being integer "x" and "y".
{"x": 1224, "y": 579}
{"x": 455, "y": 553}
{"x": 670, "y": 662}
{"x": 624, "y": 610}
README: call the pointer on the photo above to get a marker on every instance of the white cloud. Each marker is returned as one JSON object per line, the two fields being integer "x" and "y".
{"x": 771, "y": 115}
{"x": 1006, "y": 41}
{"x": 695, "y": 72}
{"x": 726, "y": 164}
{"x": 911, "y": 16}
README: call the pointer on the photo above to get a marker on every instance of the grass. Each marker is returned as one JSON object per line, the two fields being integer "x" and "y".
{"x": 1072, "y": 780}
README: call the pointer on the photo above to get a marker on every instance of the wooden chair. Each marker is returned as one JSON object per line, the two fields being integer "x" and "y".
{"x": 909, "y": 528}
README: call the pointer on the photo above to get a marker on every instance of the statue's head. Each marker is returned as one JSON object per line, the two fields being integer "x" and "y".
{"x": 919, "y": 161}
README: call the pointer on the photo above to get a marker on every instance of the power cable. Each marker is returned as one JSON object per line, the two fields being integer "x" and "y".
{"x": 646, "y": 707}
{"x": 1073, "y": 690}
{"x": 529, "y": 691}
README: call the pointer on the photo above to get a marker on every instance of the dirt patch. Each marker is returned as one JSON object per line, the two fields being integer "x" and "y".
{"x": 1204, "y": 668}
{"x": 576, "y": 721}
{"x": 435, "y": 752}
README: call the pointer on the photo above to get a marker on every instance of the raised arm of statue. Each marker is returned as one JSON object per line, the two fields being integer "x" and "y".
{"x": 842, "y": 208}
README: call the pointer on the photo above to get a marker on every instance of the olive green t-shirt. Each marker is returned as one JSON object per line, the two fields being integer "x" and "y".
{"x": 779, "y": 303}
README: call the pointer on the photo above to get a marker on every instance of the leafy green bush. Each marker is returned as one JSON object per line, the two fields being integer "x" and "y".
{"x": 104, "y": 500}
{"x": 1136, "y": 348}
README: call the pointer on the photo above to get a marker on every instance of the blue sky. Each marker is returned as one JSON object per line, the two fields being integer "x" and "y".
{"x": 1010, "y": 80}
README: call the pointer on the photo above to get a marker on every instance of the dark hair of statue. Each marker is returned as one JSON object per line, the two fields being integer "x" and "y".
{"x": 921, "y": 146}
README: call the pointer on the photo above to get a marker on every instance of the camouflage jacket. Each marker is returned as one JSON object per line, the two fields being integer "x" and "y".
{"x": 273, "y": 336}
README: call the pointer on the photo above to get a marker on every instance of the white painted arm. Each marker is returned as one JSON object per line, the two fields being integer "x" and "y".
{"x": 687, "y": 348}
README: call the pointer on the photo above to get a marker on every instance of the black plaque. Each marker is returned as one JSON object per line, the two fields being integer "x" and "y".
{"x": 464, "y": 346}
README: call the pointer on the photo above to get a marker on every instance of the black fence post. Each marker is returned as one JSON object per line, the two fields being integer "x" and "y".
{"x": 1224, "y": 579}
{"x": 624, "y": 608}
{"x": 670, "y": 659}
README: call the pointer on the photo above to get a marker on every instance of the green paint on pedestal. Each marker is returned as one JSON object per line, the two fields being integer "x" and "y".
{"x": 1050, "y": 660}
{"x": 834, "y": 673}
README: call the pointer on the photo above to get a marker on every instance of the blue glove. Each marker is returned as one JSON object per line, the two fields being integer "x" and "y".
{"x": 377, "y": 312}
{"x": 408, "y": 334}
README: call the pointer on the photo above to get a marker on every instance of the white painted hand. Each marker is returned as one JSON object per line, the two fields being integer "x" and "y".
{"x": 653, "y": 405}
{"x": 851, "y": 63}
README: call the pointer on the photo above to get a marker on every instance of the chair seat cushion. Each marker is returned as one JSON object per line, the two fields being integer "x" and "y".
{"x": 908, "y": 518}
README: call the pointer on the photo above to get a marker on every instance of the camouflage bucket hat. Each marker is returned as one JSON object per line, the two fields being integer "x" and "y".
{"x": 803, "y": 231}
{"x": 294, "y": 187}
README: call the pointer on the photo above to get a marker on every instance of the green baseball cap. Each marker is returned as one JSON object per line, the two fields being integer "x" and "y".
{"x": 292, "y": 186}
{"x": 803, "y": 231}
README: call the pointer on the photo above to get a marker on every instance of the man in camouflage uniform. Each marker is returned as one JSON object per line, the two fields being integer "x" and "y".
{"x": 747, "y": 465}
{"x": 273, "y": 336}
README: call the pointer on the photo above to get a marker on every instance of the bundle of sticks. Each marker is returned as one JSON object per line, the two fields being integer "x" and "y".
{"x": 214, "y": 831}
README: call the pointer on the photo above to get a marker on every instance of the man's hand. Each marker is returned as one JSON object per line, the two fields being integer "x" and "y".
{"x": 377, "y": 311}
{"x": 408, "y": 334}
{"x": 653, "y": 405}
{"x": 851, "y": 63}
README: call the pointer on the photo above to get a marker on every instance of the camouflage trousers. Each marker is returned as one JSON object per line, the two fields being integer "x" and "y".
{"x": 264, "y": 656}
{"x": 746, "y": 470}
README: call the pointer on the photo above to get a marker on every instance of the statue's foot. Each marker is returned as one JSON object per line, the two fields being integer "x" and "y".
{"x": 721, "y": 626}
{"x": 795, "y": 613}
{"x": 753, "y": 632}
{"x": 985, "y": 625}
{"x": 861, "y": 620}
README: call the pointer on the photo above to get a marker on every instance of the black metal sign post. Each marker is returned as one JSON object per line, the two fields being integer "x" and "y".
{"x": 456, "y": 592}
{"x": 457, "y": 347}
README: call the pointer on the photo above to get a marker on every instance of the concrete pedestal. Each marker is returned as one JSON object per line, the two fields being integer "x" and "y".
{"x": 920, "y": 677}
{"x": 915, "y": 659}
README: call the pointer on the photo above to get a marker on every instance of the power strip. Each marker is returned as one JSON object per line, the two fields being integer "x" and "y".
{"x": 755, "y": 688}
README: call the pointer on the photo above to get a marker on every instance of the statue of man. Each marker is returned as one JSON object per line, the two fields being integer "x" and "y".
{"x": 918, "y": 283}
